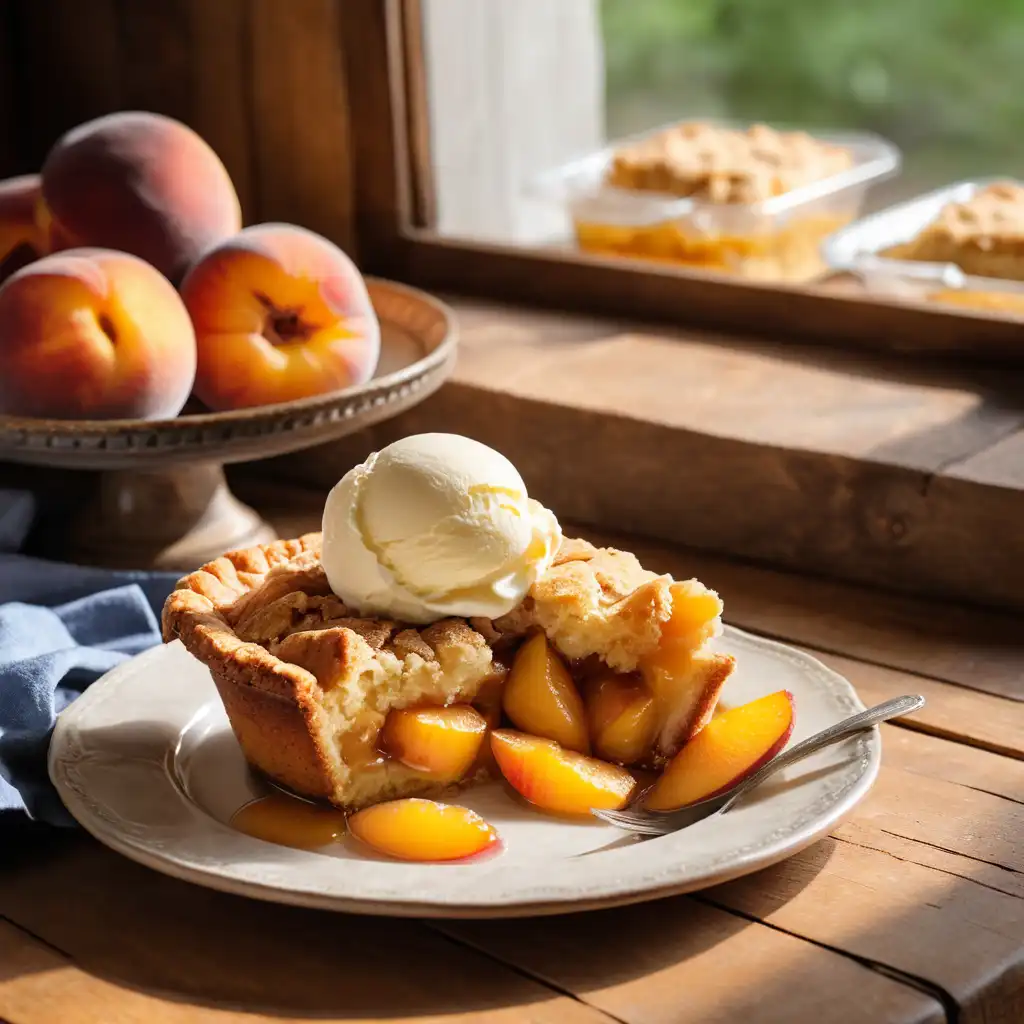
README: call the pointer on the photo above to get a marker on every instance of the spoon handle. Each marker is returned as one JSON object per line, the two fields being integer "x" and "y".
{"x": 833, "y": 734}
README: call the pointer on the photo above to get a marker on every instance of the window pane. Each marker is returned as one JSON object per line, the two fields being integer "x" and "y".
{"x": 521, "y": 92}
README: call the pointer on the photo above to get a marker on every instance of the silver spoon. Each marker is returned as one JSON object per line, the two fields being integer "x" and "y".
{"x": 660, "y": 823}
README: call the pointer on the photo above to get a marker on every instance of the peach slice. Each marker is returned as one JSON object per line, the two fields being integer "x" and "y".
{"x": 541, "y": 698}
{"x": 422, "y": 830}
{"x": 730, "y": 747}
{"x": 559, "y": 780}
{"x": 442, "y": 741}
{"x": 623, "y": 717}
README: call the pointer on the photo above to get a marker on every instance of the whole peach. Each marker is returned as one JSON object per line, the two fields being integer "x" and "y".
{"x": 22, "y": 239}
{"x": 280, "y": 313}
{"x": 141, "y": 183}
{"x": 93, "y": 334}
{"x": 18, "y": 199}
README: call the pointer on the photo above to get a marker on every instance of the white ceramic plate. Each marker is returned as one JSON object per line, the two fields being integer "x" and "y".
{"x": 146, "y": 761}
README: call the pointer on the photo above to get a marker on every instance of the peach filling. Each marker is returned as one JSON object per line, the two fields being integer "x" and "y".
{"x": 559, "y": 780}
{"x": 789, "y": 252}
{"x": 422, "y": 830}
{"x": 444, "y": 742}
{"x": 584, "y": 739}
{"x": 541, "y": 698}
{"x": 623, "y": 717}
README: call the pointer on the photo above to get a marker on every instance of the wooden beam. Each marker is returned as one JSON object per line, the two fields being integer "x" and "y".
{"x": 300, "y": 117}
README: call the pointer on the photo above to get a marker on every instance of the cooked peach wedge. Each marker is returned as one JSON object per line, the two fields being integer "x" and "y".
{"x": 541, "y": 699}
{"x": 559, "y": 780}
{"x": 695, "y": 614}
{"x": 732, "y": 746}
{"x": 423, "y": 830}
{"x": 623, "y": 717}
{"x": 442, "y": 741}
{"x": 686, "y": 678}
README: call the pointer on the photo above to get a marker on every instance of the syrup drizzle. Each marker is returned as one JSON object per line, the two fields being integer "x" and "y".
{"x": 289, "y": 821}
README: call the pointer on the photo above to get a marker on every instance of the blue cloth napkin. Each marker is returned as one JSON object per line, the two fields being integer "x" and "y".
{"x": 61, "y": 627}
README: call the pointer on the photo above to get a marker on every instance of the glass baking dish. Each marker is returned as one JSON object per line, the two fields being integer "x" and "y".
{"x": 860, "y": 249}
{"x": 777, "y": 239}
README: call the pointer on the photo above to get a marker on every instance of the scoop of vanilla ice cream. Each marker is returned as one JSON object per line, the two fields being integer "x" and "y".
{"x": 435, "y": 525}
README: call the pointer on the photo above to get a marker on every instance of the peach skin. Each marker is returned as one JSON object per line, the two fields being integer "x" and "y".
{"x": 442, "y": 741}
{"x": 422, "y": 830}
{"x": 141, "y": 183}
{"x": 559, "y": 780}
{"x": 541, "y": 698}
{"x": 730, "y": 747}
{"x": 280, "y": 313}
{"x": 93, "y": 334}
{"x": 18, "y": 204}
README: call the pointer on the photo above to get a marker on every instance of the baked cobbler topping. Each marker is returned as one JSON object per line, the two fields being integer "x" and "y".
{"x": 724, "y": 165}
{"x": 993, "y": 214}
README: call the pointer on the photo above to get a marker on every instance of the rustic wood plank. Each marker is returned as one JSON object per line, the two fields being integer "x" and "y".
{"x": 953, "y": 762}
{"x": 190, "y": 60}
{"x": 928, "y": 878}
{"x": 220, "y": 68}
{"x": 951, "y": 712}
{"x": 930, "y": 855}
{"x": 828, "y": 463}
{"x": 40, "y": 986}
{"x": 974, "y": 824}
{"x": 300, "y": 117}
{"x": 145, "y": 931}
{"x": 10, "y": 142}
{"x": 422, "y": 191}
{"x": 685, "y": 962}
{"x": 383, "y": 201}
{"x": 956, "y": 934}
{"x": 83, "y": 41}
{"x": 157, "y": 59}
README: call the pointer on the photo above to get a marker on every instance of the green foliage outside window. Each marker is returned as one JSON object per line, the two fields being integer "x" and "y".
{"x": 944, "y": 79}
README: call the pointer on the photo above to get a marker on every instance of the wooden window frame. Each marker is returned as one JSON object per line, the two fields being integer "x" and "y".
{"x": 384, "y": 57}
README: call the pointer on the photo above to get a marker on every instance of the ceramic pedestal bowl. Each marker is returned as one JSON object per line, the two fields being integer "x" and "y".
{"x": 162, "y": 500}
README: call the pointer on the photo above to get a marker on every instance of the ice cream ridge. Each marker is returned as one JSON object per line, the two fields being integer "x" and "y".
{"x": 440, "y": 631}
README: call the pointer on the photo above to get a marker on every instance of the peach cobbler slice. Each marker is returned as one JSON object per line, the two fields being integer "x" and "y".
{"x": 604, "y": 668}
{"x": 983, "y": 235}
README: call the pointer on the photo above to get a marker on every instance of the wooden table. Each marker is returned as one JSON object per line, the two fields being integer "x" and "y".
{"x": 912, "y": 911}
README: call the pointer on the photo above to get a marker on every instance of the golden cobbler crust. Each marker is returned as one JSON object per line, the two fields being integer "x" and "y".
{"x": 300, "y": 676}
{"x": 724, "y": 165}
{"x": 593, "y": 601}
